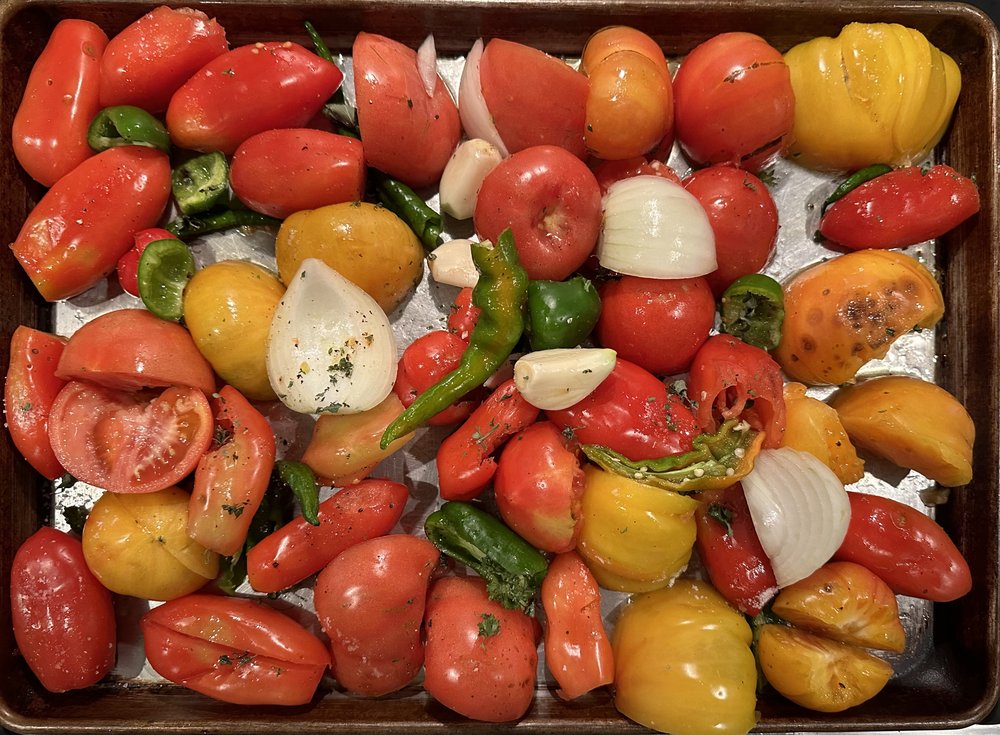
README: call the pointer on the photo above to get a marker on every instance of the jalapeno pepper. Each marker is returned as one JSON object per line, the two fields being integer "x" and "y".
{"x": 855, "y": 180}
{"x": 500, "y": 295}
{"x": 201, "y": 183}
{"x": 513, "y": 569}
{"x": 561, "y": 313}
{"x": 127, "y": 125}
{"x": 753, "y": 309}
{"x": 189, "y": 227}
{"x": 165, "y": 267}
{"x": 302, "y": 482}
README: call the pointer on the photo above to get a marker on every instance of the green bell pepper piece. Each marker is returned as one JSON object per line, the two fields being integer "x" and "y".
{"x": 561, "y": 313}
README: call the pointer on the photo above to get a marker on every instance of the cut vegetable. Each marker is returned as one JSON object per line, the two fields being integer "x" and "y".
{"x": 165, "y": 267}
{"x": 555, "y": 379}
{"x": 464, "y": 174}
{"x": 427, "y": 64}
{"x": 452, "y": 264}
{"x": 476, "y": 119}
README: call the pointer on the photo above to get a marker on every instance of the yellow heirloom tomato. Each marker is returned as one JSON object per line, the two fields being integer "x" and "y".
{"x": 814, "y": 427}
{"x": 683, "y": 663}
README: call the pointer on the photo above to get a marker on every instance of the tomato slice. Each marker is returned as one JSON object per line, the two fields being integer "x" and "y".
{"x": 120, "y": 442}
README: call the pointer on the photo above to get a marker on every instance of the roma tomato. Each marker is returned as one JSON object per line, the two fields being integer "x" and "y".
{"x": 424, "y": 362}
{"x": 552, "y": 203}
{"x": 119, "y": 442}
{"x": 234, "y": 650}
{"x": 150, "y": 59}
{"x": 370, "y": 601}
{"x": 75, "y": 235}
{"x": 632, "y": 413}
{"x": 249, "y": 90}
{"x": 129, "y": 349}
{"x": 61, "y": 98}
{"x": 734, "y": 101}
{"x": 408, "y": 134}
{"x": 298, "y": 549}
{"x": 30, "y": 390}
{"x": 533, "y": 98}
{"x": 128, "y": 264}
{"x": 279, "y": 172}
{"x": 481, "y": 658}
{"x": 908, "y": 550}
{"x": 658, "y": 324}
{"x": 744, "y": 219}
{"x": 539, "y": 487}
{"x": 63, "y": 618}
{"x": 231, "y": 478}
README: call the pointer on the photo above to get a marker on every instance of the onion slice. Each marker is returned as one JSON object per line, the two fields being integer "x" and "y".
{"x": 476, "y": 119}
{"x": 427, "y": 65}
{"x": 800, "y": 511}
{"x": 654, "y": 228}
{"x": 330, "y": 348}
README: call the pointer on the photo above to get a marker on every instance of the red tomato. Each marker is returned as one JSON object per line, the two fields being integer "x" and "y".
{"x": 732, "y": 554}
{"x": 234, "y": 650}
{"x": 149, "y": 60}
{"x": 249, "y": 90}
{"x": 734, "y": 101}
{"x": 900, "y": 208}
{"x": 280, "y": 172}
{"x": 539, "y": 488}
{"x": 121, "y": 443}
{"x": 577, "y": 649}
{"x": 63, "y": 618}
{"x": 355, "y": 514}
{"x": 128, "y": 264}
{"x": 906, "y": 549}
{"x": 408, "y": 134}
{"x": 61, "y": 98}
{"x": 743, "y": 217}
{"x": 129, "y": 349}
{"x": 657, "y": 324}
{"x": 551, "y": 201}
{"x": 428, "y": 359}
{"x": 75, "y": 235}
{"x": 480, "y": 658}
{"x": 533, "y": 98}
{"x": 608, "y": 172}
{"x": 231, "y": 478}
{"x": 463, "y": 315}
{"x": 730, "y": 378}
{"x": 632, "y": 413}
{"x": 464, "y": 462}
{"x": 370, "y": 601}
{"x": 30, "y": 389}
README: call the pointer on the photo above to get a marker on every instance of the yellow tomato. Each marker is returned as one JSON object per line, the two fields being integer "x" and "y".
{"x": 228, "y": 308}
{"x": 367, "y": 244}
{"x": 683, "y": 662}
{"x": 814, "y": 427}
{"x": 911, "y": 422}
{"x": 137, "y": 544}
{"x": 634, "y": 537}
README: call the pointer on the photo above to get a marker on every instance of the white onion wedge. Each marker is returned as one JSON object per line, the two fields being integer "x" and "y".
{"x": 452, "y": 264}
{"x": 427, "y": 65}
{"x": 476, "y": 119}
{"x": 654, "y": 228}
{"x": 555, "y": 379}
{"x": 800, "y": 511}
{"x": 330, "y": 348}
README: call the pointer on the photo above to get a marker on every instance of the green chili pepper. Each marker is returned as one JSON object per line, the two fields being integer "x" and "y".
{"x": 302, "y": 481}
{"x": 201, "y": 183}
{"x": 337, "y": 108}
{"x": 127, "y": 125}
{"x": 411, "y": 208}
{"x": 165, "y": 267}
{"x": 76, "y": 517}
{"x": 716, "y": 461}
{"x": 512, "y": 568}
{"x": 561, "y": 313}
{"x": 500, "y": 294}
{"x": 855, "y": 180}
{"x": 192, "y": 226}
{"x": 753, "y": 309}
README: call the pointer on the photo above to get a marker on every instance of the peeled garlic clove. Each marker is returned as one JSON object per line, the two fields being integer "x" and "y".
{"x": 555, "y": 379}
{"x": 452, "y": 263}
{"x": 464, "y": 174}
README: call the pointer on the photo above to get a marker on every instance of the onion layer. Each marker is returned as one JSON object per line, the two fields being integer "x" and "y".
{"x": 476, "y": 118}
{"x": 427, "y": 65}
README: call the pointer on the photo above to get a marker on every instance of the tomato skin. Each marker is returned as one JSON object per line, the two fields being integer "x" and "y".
{"x": 355, "y": 514}
{"x": 551, "y": 201}
{"x": 61, "y": 98}
{"x": 249, "y": 90}
{"x": 151, "y": 58}
{"x": 29, "y": 391}
{"x": 128, "y": 264}
{"x": 657, "y": 324}
{"x": 370, "y": 601}
{"x": 485, "y": 677}
{"x": 63, "y": 618}
{"x": 632, "y": 413}
{"x": 534, "y": 99}
{"x": 425, "y": 361}
{"x": 234, "y": 650}
{"x": 744, "y": 219}
{"x": 408, "y": 134}
{"x": 129, "y": 349}
{"x": 81, "y": 227}
{"x": 907, "y": 550}
{"x": 280, "y": 172}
